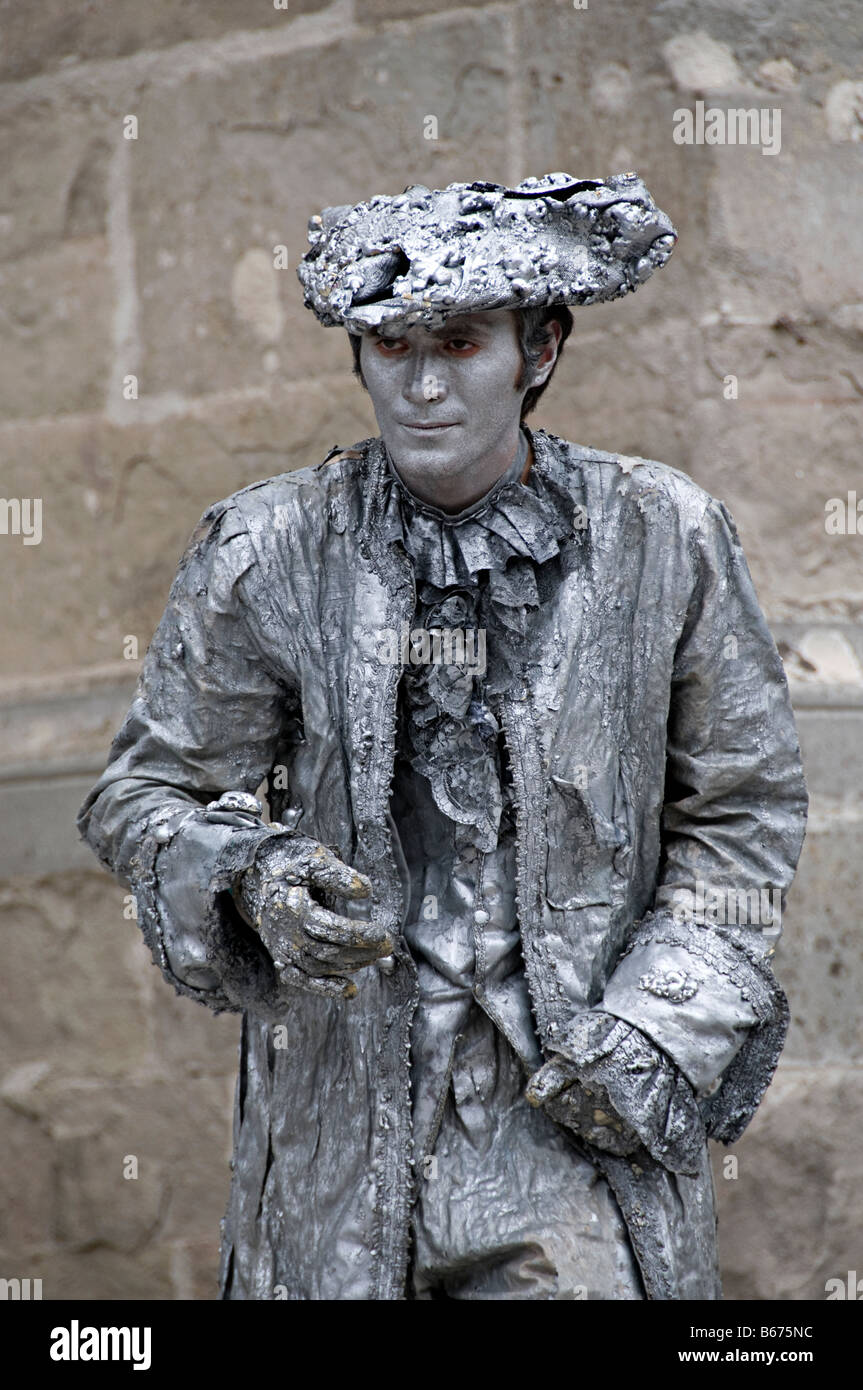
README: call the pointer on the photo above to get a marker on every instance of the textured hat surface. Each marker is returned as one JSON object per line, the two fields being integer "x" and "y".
{"x": 431, "y": 253}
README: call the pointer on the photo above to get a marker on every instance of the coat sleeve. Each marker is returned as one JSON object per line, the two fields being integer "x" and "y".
{"x": 697, "y": 976}
{"x": 205, "y": 720}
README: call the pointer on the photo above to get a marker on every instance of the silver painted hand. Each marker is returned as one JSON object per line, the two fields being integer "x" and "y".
{"x": 312, "y": 948}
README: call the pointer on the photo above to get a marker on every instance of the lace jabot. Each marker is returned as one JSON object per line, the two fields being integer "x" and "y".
{"x": 479, "y": 575}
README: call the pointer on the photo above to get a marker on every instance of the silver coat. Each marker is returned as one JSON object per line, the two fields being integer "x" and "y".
{"x": 653, "y": 752}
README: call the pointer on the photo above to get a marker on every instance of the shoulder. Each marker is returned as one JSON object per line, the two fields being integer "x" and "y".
{"x": 612, "y": 483}
{"x": 303, "y": 503}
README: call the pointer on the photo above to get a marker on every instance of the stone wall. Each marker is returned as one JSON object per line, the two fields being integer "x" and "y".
{"x": 152, "y": 258}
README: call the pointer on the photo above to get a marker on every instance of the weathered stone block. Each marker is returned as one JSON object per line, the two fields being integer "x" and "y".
{"x": 609, "y": 360}
{"x": 69, "y": 989}
{"x": 26, "y": 1179}
{"x": 188, "y": 1039}
{"x": 792, "y": 1217}
{"x": 787, "y": 361}
{"x": 195, "y": 1268}
{"x": 776, "y": 472}
{"x": 97, "y": 1273}
{"x": 183, "y": 1130}
{"x": 809, "y": 37}
{"x": 235, "y": 163}
{"x": 119, "y": 504}
{"x": 57, "y": 148}
{"x": 811, "y": 190}
{"x": 51, "y": 36}
{"x": 56, "y": 285}
{"x": 371, "y": 11}
{"x": 832, "y": 749}
{"x": 57, "y": 344}
{"x": 819, "y": 959}
{"x": 51, "y": 720}
{"x": 179, "y": 1136}
{"x": 38, "y": 834}
{"x": 824, "y": 663}
{"x": 106, "y": 1194}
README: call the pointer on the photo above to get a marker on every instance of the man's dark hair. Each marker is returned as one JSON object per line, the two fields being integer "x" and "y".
{"x": 531, "y": 326}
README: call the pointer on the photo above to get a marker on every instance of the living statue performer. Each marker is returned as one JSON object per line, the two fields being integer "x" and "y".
{"x": 501, "y": 951}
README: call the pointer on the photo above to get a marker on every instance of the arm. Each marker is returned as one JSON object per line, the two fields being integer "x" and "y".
{"x": 697, "y": 986}
{"x": 206, "y": 718}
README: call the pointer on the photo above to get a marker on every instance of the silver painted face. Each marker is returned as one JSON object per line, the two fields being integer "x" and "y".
{"x": 446, "y": 402}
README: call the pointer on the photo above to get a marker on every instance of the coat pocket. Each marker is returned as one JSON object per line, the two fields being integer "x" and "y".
{"x": 585, "y": 848}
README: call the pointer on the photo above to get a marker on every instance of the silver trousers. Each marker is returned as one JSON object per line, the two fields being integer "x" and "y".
{"x": 507, "y": 1208}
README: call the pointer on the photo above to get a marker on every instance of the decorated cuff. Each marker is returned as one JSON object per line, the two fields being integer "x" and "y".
{"x": 708, "y": 998}
{"x": 696, "y": 1014}
{"x": 182, "y": 878}
{"x": 643, "y": 1086}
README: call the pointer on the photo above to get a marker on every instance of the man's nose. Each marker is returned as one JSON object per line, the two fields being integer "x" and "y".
{"x": 425, "y": 379}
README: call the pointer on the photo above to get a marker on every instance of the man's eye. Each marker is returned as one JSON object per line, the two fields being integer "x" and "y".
{"x": 390, "y": 346}
{"x": 463, "y": 346}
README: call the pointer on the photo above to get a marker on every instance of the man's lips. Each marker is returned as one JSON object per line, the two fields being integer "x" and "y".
{"x": 418, "y": 425}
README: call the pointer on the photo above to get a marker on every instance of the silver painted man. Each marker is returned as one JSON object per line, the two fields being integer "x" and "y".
{"x": 526, "y": 738}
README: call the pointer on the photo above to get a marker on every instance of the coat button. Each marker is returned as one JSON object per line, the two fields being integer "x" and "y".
{"x": 386, "y": 965}
{"x": 481, "y": 917}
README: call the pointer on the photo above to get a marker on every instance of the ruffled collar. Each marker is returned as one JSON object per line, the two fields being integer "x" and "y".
{"x": 475, "y": 571}
{"x": 513, "y": 528}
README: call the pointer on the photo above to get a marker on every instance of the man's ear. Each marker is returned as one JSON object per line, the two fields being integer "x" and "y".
{"x": 548, "y": 356}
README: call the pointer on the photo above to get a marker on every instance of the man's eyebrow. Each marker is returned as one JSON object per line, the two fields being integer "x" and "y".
{"x": 453, "y": 327}
{"x": 462, "y": 326}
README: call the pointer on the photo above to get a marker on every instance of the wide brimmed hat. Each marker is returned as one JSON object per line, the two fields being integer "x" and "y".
{"x": 430, "y": 253}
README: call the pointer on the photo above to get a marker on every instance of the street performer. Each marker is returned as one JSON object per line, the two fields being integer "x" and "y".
{"x": 487, "y": 1025}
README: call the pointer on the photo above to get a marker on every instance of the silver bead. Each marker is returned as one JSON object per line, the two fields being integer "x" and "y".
{"x": 481, "y": 917}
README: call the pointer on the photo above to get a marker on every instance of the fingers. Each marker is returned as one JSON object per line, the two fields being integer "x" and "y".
{"x": 317, "y": 922}
{"x": 321, "y": 959}
{"x": 317, "y": 941}
{"x": 323, "y": 925}
{"x": 324, "y": 870}
{"x": 290, "y": 976}
{"x": 304, "y": 860}
{"x": 548, "y": 1082}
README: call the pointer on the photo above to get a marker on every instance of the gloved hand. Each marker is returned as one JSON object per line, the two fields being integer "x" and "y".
{"x": 585, "y": 1109}
{"x": 312, "y": 948}
{"x": 608, "y": 1082}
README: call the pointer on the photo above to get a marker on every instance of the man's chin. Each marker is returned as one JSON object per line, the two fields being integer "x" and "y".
{"x": 436, "y": 455}
{"x": 428, "y": 460}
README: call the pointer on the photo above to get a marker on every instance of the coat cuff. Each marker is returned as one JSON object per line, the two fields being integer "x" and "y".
{"x": 182, "y": 877}
{"x": 643, "y": 1087}
{"x": 709, "y": 999}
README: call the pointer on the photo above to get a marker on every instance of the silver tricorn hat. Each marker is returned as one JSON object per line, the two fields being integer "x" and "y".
{"x": 430, "y": 253}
